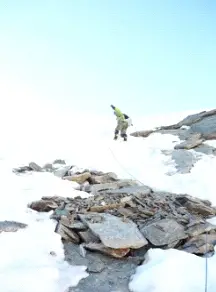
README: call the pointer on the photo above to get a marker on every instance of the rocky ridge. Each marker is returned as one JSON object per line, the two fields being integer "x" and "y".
{"x": 193, "y": 131}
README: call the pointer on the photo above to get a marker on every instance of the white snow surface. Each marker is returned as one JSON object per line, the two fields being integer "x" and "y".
{"x": 173, "y": 270}
{"x": 87, "y": 141}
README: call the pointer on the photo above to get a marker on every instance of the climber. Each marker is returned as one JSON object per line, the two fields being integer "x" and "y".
{"x": 123, "y": 122}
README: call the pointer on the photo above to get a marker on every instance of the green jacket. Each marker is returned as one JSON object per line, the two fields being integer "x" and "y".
{"x": 119, "y": 114}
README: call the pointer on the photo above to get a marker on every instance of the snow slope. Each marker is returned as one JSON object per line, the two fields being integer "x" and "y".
{"x": 26, "y": 263}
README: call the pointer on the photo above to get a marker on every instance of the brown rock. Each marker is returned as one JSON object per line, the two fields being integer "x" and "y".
{"x": 126, "y": 212}
{"x": 209, "y": 136}
{"x": 116, "y": 253}
{"x": 79, "y": 178}
{"x": 143, "y": 134}
{"x": 199, "y": 208}
{"x": 102, "y": 179}
{"x": 199, "y": 228}
{"x": 99, "y": 209}
{"x": 200, "y": 244}
{"x": 43, "y": 205}
{"x": 195, "y": 206}
{"x": 194, "y": 141}
{"x": 67, "y": 233}
{"x": 56, "y": 199}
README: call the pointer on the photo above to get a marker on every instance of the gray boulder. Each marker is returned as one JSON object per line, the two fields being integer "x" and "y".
{"x": 11, "y": 226}
{"x": 112, "y": 186}
{"x": 62, "y": 171}
{"x": 35, "y": 167}
{"x": 164, "y": 232}
{"x": 136, "y": 190}
{"x": 59, "y": 161}
{"x": 194, "y": 141}
{"x": 43, "y": 205}
{"x": 113, "y": 232}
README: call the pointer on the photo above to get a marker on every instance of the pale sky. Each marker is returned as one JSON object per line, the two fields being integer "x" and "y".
{"x": 142, "y": 56}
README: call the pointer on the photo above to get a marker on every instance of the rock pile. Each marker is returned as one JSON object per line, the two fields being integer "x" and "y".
{"x": 121, "y": 216}
{"x": 112, "y": 228}
{"x": 118, "y": 221}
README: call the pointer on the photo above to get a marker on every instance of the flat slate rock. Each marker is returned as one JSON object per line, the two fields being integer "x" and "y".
{"x": 62, "y": 171}
{"x": 164, "y": 232}
{"x": 132, "y": 190}
{"x": 194, "y": 141}
{"x": 113, "y": 231}
{"x": 184, "y": 160}
{"x": 11, "y": 226}
{"x": 113, "y": 185}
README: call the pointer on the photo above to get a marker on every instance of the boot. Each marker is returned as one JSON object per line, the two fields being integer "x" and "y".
{"x": 116, "y": 134}
{"x": 124, "y": 136}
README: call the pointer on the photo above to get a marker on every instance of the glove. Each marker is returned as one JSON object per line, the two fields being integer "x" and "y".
{"x": 112, "y": 106}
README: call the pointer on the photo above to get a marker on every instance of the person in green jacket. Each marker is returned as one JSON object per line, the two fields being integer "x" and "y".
{"x": 123, "y": 122}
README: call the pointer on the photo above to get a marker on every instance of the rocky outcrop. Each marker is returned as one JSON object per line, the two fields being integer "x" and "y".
{"x": 203, "y": 124}
{"x": 193, "y": 131}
